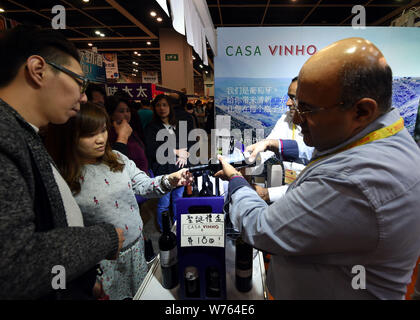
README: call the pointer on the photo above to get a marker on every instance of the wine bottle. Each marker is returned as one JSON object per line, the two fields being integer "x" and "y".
{"x": 206, "y": 186}
{"x": 212, "y": 283}
{"x": 237, "y": 160}
{"x": 195, "y": 192}
{"x": 243, "y": 265}
{"x": 192, "y": 282}
{"x": 168, "y": 254}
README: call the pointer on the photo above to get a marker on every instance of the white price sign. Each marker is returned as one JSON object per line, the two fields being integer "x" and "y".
{"x": 203, "y": 230}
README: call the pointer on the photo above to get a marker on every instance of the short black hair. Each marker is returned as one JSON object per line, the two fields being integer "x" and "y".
{"x": 112, "y": 102}
{"x": 295, "y": 79}
{"x": 366, "y": 81}
{"x": 19, "y": 43}
{"x": 93, "y": 87}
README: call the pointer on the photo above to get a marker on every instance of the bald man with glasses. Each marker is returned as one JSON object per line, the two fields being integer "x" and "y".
{"x": 348, "y": 226}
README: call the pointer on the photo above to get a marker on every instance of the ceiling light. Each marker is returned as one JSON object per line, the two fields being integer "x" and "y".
{"x": 153, "y": 14}
{"x": 90, "y": 44}
{"x": 159, "y": 19}
{"x": 148, "y": 43}
{"x": 97, "y": 32}
{"x": 102, "y": 35}
{"x": 86, "y": 1}
{"x": 139, "y": 54}
{"x": 1, "y": 10}
{"x": 206, "y": 72}
{"x": 201, "y": 66}
{"x": 135, "y": 52}
{"x": 193, "y": 57}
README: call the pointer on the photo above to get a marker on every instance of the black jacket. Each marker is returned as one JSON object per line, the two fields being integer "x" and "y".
{"x": 152, "y": 146}
{"x": 34, "y": 235}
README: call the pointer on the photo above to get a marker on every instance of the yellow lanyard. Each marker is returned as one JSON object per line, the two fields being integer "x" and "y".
{"x": 293, "y": 131}
{"x": 373, "y": 136}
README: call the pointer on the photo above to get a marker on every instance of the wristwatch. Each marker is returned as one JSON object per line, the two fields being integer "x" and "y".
{"x": 166, "y": 184}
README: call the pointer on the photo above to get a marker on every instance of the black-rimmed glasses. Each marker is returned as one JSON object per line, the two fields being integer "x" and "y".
{"x": 303, "y": 109}
{"x": 85, "y": 81}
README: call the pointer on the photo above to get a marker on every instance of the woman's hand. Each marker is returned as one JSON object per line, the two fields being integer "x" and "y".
{"x": 182, "y": 155}
{"x": 123, "y": 130}
{"x": 180, "y": 178}
{"x": 98, "y": 291}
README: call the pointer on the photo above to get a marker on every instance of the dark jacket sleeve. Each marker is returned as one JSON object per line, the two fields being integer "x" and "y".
{"x": 120, "y": 147}
{"x": 27, "y": 256}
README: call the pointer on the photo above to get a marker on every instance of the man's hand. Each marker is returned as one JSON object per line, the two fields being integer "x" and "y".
{"x": 123, "y": 130}
{"x": 121, "y": 239}
{"x": 261, "y": 146}
{"x": 181, "y": 178}
{"x": 262, "y": 192}
{"x": 227, "y": 172}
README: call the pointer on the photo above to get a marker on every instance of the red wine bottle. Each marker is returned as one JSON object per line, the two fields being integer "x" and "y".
{"x": 243, "y": 266}
{"x": 237, "y": 160}
{"x": 192, "y": 282}
{"x": 213, "y": 289}
{"x": 168, "y": 254}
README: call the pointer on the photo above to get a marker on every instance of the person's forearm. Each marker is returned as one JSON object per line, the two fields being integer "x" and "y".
{"x": 273, "y": 145}
{"x": 122, "y": 139}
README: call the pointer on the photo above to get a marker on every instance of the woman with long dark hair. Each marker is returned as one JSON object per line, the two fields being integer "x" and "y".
{"x": 122, "y": 136}
{"x": 165, "y": 156}
{"x": 104, "y": 183}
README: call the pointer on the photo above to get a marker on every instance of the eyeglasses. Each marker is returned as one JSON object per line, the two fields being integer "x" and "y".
{"x": 85, "y": 81}
{"x": 302, "y": 109}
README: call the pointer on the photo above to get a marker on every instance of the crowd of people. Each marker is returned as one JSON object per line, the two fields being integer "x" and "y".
{"x": 70, "y": 196}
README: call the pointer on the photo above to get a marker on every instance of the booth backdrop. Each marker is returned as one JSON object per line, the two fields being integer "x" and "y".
{"x": 254, "y": 67}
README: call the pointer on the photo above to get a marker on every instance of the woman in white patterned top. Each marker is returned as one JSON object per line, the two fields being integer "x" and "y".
{"x": 104, "y": 183}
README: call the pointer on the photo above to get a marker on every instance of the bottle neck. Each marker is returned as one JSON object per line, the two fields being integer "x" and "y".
{"x": 166, "y": 222}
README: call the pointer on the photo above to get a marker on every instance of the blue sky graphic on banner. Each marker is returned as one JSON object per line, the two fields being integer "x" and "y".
{"x": 254, "y": 67}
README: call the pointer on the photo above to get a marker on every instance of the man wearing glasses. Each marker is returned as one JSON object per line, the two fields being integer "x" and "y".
{"x": 348, "y": 226}
{"x": 41, "y": 225}
{"x": 295, "y": 153}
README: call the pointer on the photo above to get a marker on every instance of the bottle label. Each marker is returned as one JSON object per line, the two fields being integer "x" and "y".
{"x": 244, "y": 273}
{"x": 203, "y": 230}
{"x": 168, "y": 258}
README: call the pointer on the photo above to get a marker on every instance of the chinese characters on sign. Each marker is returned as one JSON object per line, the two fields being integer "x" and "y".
{"x": 203, "y": 230}
{"x": 254, "y": 100}
{"x": 135, "y": 91}
{"x": 171, "y": 57}
{"x": 111, "y": 65}
{"x": 92, "y": 65}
